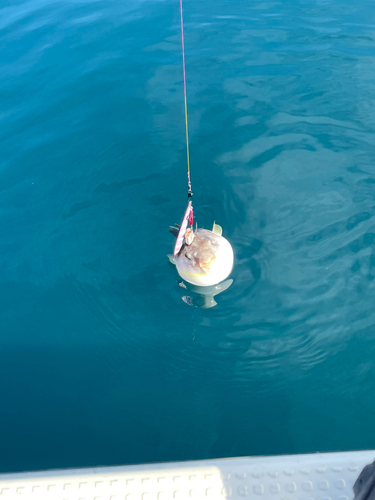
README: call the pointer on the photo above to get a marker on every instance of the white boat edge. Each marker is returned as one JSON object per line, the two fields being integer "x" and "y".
{"x": 320, "y": 476}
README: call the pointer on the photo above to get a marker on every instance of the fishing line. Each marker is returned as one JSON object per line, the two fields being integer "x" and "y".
{"x": 190, "y": 194}
{"x": 189, "y": 214}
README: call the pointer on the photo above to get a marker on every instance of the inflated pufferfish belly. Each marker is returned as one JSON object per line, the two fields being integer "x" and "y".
{"x": 207, "y": 260}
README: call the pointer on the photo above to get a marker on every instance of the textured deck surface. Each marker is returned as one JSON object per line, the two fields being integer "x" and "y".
{"x": 328, "y": 476}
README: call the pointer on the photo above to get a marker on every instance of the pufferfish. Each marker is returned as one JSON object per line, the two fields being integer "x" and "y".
{"x": 205, "y": 258}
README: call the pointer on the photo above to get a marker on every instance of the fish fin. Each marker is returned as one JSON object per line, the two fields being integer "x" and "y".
{"x": 221, "y": 287}
{"x": 188, "y": 300}
{"x": 171, "y": 259}
{"x": 174, "y": 230}
{"x": 216, "y": 229}
{"x": 207, "y": 301}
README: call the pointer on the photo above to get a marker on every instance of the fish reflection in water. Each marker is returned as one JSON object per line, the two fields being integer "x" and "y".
{"x": 203, "y": 296}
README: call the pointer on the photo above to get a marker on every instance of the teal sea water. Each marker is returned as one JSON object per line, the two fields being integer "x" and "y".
{"x": 101, "y": 362}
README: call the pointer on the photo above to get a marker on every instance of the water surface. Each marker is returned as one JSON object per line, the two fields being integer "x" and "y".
{"x": 101, "y": 362}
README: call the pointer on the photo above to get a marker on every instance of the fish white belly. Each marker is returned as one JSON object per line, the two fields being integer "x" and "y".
{"x": 211, "y": 274}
